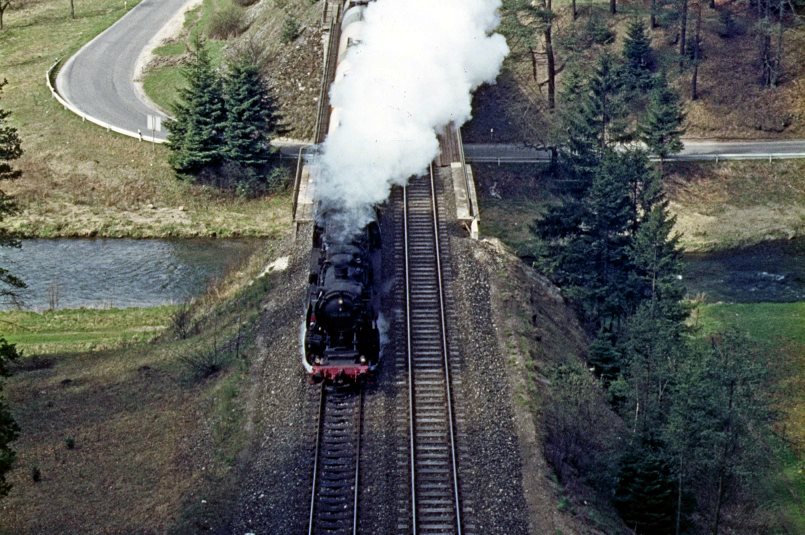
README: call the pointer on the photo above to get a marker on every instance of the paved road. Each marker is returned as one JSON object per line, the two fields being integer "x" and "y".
{"x": 507, "y": 153}
{"x": 99, "y": 79}
{"x": 694, "y": 150}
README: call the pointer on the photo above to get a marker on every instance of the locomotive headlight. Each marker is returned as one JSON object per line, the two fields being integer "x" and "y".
{"x": 317, "y": 360}
{"x": 363, "y": 359}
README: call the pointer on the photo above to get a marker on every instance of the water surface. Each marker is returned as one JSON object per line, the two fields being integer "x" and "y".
{"x": 772, "y": 271}
{"x": 72, "y": 273}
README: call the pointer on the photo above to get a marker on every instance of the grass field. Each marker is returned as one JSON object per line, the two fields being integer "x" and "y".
{"x": 80, "y": 180}
{"x": 81, "y": 330}
{"x": 781, "y": 327}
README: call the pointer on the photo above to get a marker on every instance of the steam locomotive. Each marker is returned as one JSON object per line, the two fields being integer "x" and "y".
{"x": 342, "y": 338}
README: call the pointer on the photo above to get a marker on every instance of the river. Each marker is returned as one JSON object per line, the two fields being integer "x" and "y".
{"x": 772, "y": 271}
{"x": 73, "y": 273}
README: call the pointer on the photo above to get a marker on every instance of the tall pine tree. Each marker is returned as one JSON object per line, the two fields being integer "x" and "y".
{"x": 662, "y": 130}
{"x": 637, "y": 56}
{"x": 10, "y": 150}
{"x": 196, "y": 133}
{"x": 251, "y": 115}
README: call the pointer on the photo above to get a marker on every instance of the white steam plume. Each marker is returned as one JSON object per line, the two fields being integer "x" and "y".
{"x": 412, "y": 74}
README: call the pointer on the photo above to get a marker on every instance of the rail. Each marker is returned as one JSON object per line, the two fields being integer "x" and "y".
{"x": 435, "y": 493}
{"x": 336, "y": 463}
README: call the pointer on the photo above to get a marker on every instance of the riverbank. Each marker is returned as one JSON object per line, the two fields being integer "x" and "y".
{"x": 152, "y": 415}
{"x": 80, "y": 180}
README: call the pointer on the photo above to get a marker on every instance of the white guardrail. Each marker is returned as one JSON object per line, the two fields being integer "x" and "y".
{"x": 84, "y": 117}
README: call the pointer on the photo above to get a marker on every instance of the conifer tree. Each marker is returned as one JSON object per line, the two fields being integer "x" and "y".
{"x": 580, "y": 151}
{"x": 10, "y": 144}
{"x": 662, "y": 130}
{"x": 196, "y": 133}
{"x": 605, "y": 110}
{"x": 10, "y": 150}
{"x": 657, "y": 263}
{"x": 644, "y": 493}
{"x": 250, "y": 115}
{"x": 637, "y": 56}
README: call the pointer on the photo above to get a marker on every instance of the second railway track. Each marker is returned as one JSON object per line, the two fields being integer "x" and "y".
{"x": 434, "y": 483}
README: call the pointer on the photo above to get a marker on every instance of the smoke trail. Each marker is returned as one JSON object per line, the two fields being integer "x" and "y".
{"x": 412, "y": 74}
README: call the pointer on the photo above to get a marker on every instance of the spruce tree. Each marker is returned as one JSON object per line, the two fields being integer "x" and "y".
{"x": 605, "y": 110}
{"x": 250, "y": 116}
{"x": 580, "y": 151}
{"x": 10, "y": 144}
{"x": 196, "y": 133}
{"x": 644, "y": 494}
{"x": 662, "y": 130}
{"x": 637, "y": 56}
{"x": 656, "y": 261}
{"x": 10, "y": 150}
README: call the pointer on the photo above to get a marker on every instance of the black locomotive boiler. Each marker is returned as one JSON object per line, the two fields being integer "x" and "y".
{"x": 342, "y": 338}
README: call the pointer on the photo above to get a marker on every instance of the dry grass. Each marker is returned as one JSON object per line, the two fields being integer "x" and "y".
{"x": 732, "y": 103}
{"x": 731, "y": 204}
{"x": 83, "y": 181}
{"x": 131, "y": 424}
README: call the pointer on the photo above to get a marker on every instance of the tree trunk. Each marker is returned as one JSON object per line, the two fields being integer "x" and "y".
{"x": 653, "y": 20}
{"x": 575, "y": 11}
{"x": 778, "y": 59}
{"x": 3, "y": 6}
{"x": 613, "y": 7}
{"x": 533, "y": 62}
{"x": 683, "y": 30}
{"x": 551, "y": 68}
{"x": 695, "y": 79}
{"x": 72, "y": 9}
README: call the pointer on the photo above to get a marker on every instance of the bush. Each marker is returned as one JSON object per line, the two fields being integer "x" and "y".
{"x": 69, "y": 442}
{"x": 226, "y": 23}
{"x": 181, "y": 321}
{"x": 36, "y": 474}
{"x": 290, "y": 30}
{"x": 246, "y": 3}
{"x": 204, "y": 363}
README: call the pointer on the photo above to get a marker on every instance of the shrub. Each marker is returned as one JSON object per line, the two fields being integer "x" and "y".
{"x": 36, "y": 474}
{"x": 290, "y": 30}
{"x": 246, "y": 3}
{"x": 204, "y": 363}
{"x": 69, "y": 442}
{"x": 180, "y": 321}
{"x": 226, "y": 23}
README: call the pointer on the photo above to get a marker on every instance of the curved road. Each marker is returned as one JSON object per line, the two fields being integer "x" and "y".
{"x": 99, "y": 81}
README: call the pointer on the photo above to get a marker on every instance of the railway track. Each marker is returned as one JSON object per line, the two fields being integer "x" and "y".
{"x": 336, "y": 465}
{"x": 435, "y": 497}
